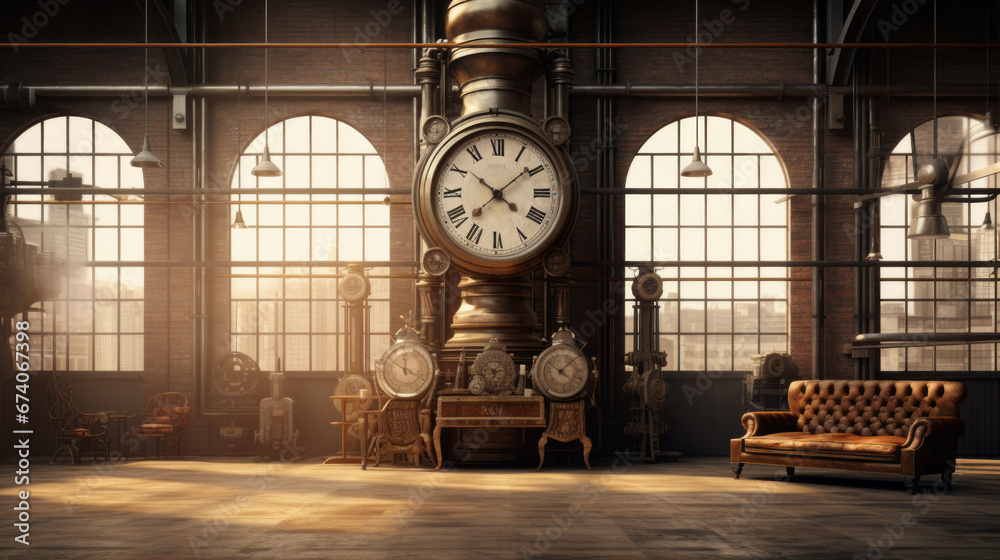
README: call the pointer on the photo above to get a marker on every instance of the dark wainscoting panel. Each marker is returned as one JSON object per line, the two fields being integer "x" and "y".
{"x": 980, "y": 411}
{"x": 702, "y": 414}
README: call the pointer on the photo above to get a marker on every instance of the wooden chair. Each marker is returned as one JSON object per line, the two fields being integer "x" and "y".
{"x": 399, "y": 427}
{"x": 75, "y": 431}
{"x": 163, "y": 420}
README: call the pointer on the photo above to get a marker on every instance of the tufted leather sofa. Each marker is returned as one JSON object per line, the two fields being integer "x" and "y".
{"x": 908, "y": 428}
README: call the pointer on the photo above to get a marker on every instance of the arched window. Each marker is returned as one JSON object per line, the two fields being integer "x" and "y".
{"x": 940, "y": 299}
{"x": 96, "y": 323}
{"x": 711, "y": 318}
{"x": 301, "y": 302}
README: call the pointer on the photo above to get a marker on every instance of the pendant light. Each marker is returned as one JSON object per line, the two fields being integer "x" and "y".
{"x": 930, "y": 222}
{"x": 266, "y": 168}
{"x": 696, "y": 168}
{"x": 146, "y": 159}
{"x": 238, "y": 223}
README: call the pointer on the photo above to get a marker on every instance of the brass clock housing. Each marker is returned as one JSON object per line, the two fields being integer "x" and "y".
{"x": 406, "y": 369}
{"x": 561, "y": 372}
{"x": 496, "y": 195}
{"x": 496, "y": 369}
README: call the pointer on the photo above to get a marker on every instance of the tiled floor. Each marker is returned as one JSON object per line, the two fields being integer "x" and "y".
{"x": 235, "y": 508}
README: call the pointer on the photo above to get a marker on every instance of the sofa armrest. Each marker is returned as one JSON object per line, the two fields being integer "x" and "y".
{"x": 769, "y": 422}
{"x": 943, "y": 427}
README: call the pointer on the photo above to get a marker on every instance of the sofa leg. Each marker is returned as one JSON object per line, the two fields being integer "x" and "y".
{"x": 946, "y": 478}
{"x": 737, "y": 469}
{"x": 911, "y": 483}
{"x": 790, "y": 471}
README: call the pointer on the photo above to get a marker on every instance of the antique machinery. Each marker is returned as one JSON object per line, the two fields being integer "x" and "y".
{"x": 646, "y": 385}
{"x": 349, "y": 396}
{"x": 277, "y": 422}
{"x": 234, "y": 385}
{"x": 766, "y": 386}
{"x": 27, "y": 277}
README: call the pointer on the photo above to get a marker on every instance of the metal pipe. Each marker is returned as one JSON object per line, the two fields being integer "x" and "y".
{"x": 511, "y": 45}
{"x": 818, "y": 337}
{"x": 588, "y": 264}
{"x": 38, "y": 191}
{"x": 928, "y": 337}
{"x": 374, "y": 90}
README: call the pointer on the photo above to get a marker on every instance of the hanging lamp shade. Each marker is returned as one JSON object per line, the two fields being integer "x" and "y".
{"x": 987, "y": 223}
{"x": 146, "y": 159}
{"x": 696, "y": 168}
{"x": 238, "y": 223}
{"x": 266, "y": 168}
{"x": 929, "y": 224}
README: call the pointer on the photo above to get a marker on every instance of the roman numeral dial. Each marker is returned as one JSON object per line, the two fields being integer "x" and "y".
{"x": 498, "y": 197}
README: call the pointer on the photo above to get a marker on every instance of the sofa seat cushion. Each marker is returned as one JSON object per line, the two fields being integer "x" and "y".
{"x": 841, "y": 446}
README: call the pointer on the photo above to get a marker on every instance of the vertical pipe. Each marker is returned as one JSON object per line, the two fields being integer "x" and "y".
{"x": 605, "y": 178}
{"x": 199, "y": 351}
{"x": 818, "y": 211}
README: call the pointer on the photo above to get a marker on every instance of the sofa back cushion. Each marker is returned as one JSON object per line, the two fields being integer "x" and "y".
{"x": 871, "y": 408}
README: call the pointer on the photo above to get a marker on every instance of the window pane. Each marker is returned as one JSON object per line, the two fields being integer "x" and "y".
{"x": 741, "y": 158}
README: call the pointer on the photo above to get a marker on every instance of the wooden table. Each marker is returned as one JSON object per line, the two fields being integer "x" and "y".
{"x": 344, "y": 425}
{"x": 479, "y": 411}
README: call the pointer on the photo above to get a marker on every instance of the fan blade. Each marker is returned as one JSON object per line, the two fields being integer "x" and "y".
{"x": 897, "y": 189}
{"x": 977, "y": 174}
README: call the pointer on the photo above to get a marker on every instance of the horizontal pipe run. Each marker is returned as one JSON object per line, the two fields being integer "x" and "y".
{"x": 586, "y": 264}
{"x": 385, "y": 202}
{"x": 36, "y": 191}
{"x": 794, "y": 264}
{"x": 778, "y": 91}
{"x": 249, "y": 191}
{"x": 928, "y": 337}
{"x": 288, "y": 90}
{"x": 505, "y": 45}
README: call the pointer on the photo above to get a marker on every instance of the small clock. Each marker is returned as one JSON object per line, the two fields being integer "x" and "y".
{"x": 406, "y": 369}
{"x": 557, "y": 262}
{"x": 557, "y": 128}
{"x": 561, "y": 372}
{"x": 435, "y": 128}
{"x": 354, "y": 286}
{"x": 648, "y": 286}
{"x": 435, "y": 261}
{"x": 477, "y": 385}
{"x": 496, "y": 368}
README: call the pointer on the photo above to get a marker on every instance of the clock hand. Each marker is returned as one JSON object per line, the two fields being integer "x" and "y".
{"x": 568, "y": 363}
{"x": 405, "y": 369}
{"x": 483, "y": 182}
{"x": 514, "y": 179}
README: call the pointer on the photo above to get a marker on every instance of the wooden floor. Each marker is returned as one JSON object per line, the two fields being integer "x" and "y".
{"x": 235, "y": 508}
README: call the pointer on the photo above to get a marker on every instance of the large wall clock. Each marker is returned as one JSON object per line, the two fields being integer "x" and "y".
{"x": 496, "y": 194}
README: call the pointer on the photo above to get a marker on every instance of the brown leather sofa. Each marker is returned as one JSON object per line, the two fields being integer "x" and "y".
{"x": 910, "y": 428}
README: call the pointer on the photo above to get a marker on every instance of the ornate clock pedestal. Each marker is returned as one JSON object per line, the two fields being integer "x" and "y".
{"x": 567, "y": 421}
{"x": 499, "y": 309}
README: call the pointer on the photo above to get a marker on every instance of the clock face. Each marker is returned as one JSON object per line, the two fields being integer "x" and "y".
{"x": 405, "y": 370}
{"x": 477, "y": 385}
{"x": 496, "y": 195}
{"x": 560, "y": 372}
{"x": 496, "y": 368}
